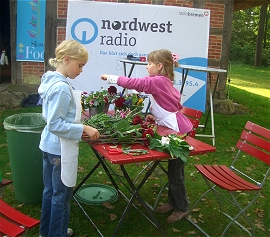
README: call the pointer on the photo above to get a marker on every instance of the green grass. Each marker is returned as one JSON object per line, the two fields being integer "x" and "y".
{"x": 249, "y": 87}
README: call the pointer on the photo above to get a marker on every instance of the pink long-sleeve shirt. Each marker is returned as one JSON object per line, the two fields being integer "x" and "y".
{"x": 163, "y": 91}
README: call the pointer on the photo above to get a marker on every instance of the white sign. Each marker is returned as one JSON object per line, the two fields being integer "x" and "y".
{"x": 111, "y": 31}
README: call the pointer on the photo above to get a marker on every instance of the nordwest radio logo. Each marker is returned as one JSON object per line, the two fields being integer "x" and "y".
{"x": 86, "y": 31}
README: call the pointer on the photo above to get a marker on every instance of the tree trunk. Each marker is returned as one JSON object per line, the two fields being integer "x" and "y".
{"x": 260, "y": 37}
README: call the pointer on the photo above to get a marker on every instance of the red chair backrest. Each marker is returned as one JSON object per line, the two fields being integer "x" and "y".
{"x": 194, "y": 117}
{"x": 255, "y": 141}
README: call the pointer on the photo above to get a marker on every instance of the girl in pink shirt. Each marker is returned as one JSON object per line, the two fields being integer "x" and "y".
{"x": 166, "y": 108}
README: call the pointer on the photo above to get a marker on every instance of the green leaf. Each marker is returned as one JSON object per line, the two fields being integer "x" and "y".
{"x": 177, "y": 148}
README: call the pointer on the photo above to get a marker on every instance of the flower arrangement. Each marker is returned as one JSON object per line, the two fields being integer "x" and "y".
{"x": 129, "y": 101}
{"x": 129, "y": 127}
{"x": 99, "y": 99}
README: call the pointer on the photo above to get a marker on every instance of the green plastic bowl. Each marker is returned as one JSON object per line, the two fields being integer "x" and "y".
{"x": 96, "y": 194}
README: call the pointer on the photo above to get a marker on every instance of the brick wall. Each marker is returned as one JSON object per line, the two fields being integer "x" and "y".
{"x": 215, "y": 41}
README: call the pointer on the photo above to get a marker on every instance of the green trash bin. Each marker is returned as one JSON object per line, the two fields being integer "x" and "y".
{"x": 23, "y": 135}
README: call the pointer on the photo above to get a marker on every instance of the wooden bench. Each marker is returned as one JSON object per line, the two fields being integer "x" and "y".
{"x": 13, "y": 222}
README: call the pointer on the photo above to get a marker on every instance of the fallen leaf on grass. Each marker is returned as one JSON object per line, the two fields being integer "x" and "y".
{"x": 193, "y": 220}
{"x": 155, "y": 185}
{"x": 175, "y": 230}
{"x": 232, "y": 149}
{"x": 191, "y": 232}
{"x": 259, "y": 212}
{"x": 112, "y": 217}
{"x": 260, "y": 225}
{"x": 20, "y": 205}
{"x": 196, "y": 209}
{"x": 262, "y": 196}
{"x": 200, "y": 218}
{"x": 107, "y": 205}
{"x": 80, "y": 169}
{"x": 153, "y": 177}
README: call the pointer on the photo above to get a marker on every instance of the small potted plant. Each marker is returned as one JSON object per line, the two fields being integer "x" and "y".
{"x": 99, "y": 101}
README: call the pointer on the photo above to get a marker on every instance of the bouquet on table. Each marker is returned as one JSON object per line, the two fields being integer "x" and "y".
{"x": 129, "y": 127}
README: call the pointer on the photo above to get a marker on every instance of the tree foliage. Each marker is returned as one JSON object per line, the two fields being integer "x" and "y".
{"x": 244, "y": 36}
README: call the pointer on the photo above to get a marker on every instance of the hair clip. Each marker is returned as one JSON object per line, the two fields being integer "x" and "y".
{"x": 175, "y": 57}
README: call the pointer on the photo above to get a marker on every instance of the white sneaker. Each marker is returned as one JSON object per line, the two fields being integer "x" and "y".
{"x": 69, "y": 232}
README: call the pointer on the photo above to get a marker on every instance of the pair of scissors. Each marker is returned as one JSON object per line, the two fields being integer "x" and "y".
{"x": 115, "y": 151}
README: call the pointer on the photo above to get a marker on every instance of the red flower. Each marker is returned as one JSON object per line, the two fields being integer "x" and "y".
{"x": 136, "y": 120}
{"x": 150, "y": 119}
{"x": 112, "y": 90}
{"x": 148, "y": 132}
{"x": 119, "y": 103}
{"x": 145, "y": 124}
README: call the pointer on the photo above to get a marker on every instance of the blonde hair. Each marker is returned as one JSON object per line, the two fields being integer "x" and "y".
{"x": 164, "y": 57}
{"x": 72, "y": 48}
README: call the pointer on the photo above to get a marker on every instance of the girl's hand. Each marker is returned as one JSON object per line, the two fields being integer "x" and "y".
{"x": 111, "y": 79}
{"x": 104, "y": 77}
{"x": 91, "y": 132}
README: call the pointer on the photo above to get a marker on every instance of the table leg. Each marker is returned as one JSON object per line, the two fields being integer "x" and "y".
{"x": 184, "y": 78}
{"x": 125, "y": 73}
{"x": 210, "y": 111}
{"x": 88, "y": 217}
{"x": 136, "y": 194}
{"x": 101, "y": 160}
{"x": 131, "y": 70}
{"x": 86, "y": 177}
{"x": 132, "y": 189}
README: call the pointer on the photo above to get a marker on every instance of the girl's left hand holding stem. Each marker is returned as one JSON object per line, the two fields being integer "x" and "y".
{"x": 91, "y": 132}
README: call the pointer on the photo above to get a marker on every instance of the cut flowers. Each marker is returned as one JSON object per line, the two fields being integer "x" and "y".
{"x": 173, "y": 144}
{"x": 129, "y": 127}
{"x": 103, "y": 98}
{"x": 129, "y": 101}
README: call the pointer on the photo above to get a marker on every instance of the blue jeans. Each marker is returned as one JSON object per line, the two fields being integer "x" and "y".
{"x": 56, "y": 199}
{"x": 177, "y": 190}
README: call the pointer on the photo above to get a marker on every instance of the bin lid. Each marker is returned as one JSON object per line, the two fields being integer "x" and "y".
{"x": 25, "y": 122}
{"x": 96, "y": 194}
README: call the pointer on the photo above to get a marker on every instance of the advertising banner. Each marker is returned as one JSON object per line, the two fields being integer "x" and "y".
{"x": 30, "y": 30}
{"x": 111, "y": 31}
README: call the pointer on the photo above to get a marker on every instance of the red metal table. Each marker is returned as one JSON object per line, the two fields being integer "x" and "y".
{"x": 104, "y": 159}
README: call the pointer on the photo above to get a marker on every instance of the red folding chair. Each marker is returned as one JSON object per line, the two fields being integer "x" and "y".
{"x": 12, "y": 222}
{"x": 234, "y": 180}
{"x": 194, "y": 117}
